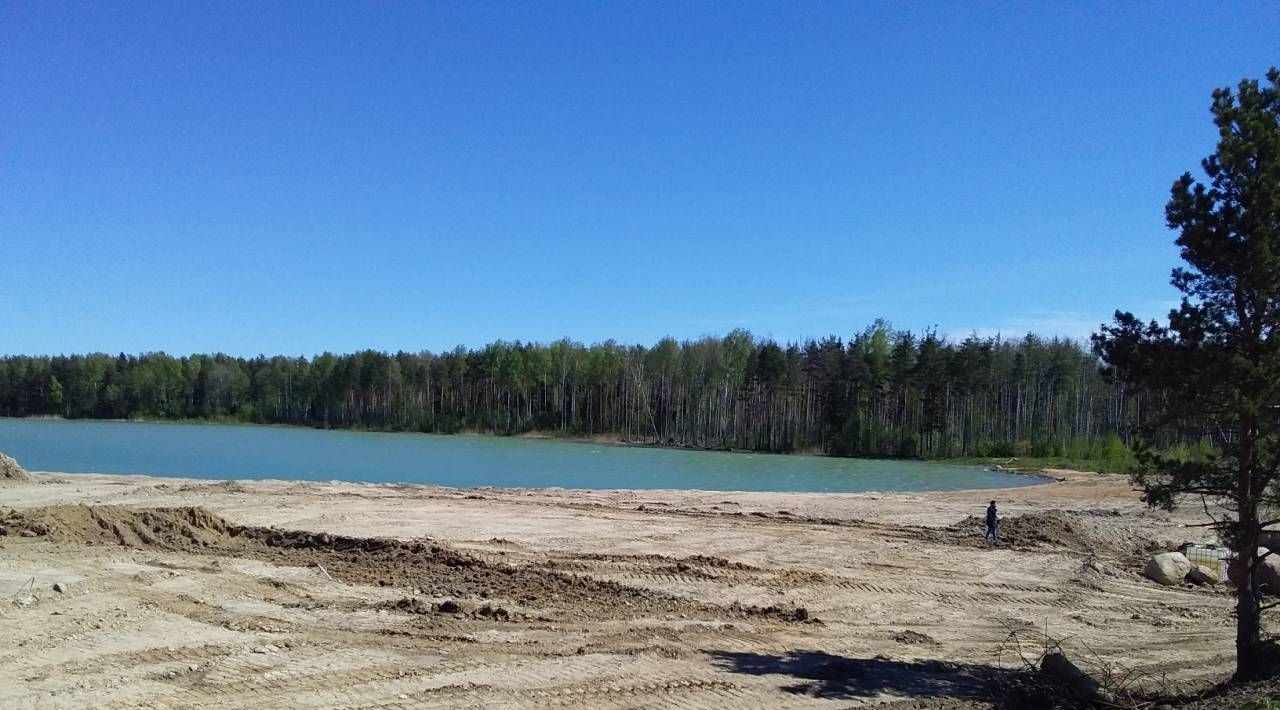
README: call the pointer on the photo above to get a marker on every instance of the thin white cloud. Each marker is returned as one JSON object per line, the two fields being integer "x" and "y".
{"x": 1048, "y": 324}
{"x": 816, "y": 318}
{"x": 1056, "y": 323}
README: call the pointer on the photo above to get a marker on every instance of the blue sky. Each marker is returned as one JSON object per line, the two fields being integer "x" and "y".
{"x": 300, "y": 177}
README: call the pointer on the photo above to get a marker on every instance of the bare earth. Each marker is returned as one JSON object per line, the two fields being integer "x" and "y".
{"x": 554, "y": 598}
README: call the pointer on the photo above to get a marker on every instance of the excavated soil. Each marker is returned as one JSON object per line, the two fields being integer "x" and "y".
{"x": 1095, "y": 533}
{"x": 177, "y": 529}
{"x": 428, "y": 567}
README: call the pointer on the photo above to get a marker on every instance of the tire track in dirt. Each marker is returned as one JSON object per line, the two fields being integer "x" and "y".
{"x": 257, "y": 682}
{"x": 148, "y": 657}
{"x": 639, "y": 571}
{"x": 243, "y": 675}
{"x": 971, "y": 593}
{"x": 689, "y": 693}
{"x": 390, "y": 681}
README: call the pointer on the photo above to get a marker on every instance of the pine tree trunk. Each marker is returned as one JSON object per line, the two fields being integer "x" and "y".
{"x": 1248, "y": 613}
{"x": 1248, "y": 623}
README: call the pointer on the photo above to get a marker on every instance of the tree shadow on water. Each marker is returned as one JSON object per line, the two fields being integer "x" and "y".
{"x": 824, "y": 675}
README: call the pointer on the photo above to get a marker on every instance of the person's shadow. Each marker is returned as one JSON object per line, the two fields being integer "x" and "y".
{"x": 823, "y": 675}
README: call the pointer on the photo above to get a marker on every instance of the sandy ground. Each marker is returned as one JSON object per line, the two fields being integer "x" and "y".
{"x": 599, "y": 599}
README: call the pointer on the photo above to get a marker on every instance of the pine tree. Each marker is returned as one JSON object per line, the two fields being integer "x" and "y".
{"x": 1215, "y": 368}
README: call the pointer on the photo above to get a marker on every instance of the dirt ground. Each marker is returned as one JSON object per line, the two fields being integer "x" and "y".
{"x": 182, "y": 593}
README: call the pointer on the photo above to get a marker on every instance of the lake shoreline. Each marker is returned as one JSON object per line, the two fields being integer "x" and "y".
{"x": 1053, "y": 478}
{"x": 1062, "y": 485}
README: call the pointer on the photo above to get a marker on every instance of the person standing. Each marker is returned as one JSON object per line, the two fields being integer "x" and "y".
{"x": 993, "y": 521}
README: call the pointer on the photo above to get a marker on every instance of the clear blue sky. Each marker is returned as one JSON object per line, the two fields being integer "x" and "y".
{"x": 299, "y": 177}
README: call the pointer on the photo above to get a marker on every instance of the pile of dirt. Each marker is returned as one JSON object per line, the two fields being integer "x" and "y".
{"x": 913, "y": 638}
{"x": 433, "y": 569}
{"x": 11, "y": 471}
{"x": 177, "y": 529}
{"x": 1087, "y": 532}
{"x": 421, "y": 606}
{"x": 795, "y": 615}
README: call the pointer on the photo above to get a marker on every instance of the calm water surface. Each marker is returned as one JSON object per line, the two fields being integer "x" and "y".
{"x": 223, "y": 452}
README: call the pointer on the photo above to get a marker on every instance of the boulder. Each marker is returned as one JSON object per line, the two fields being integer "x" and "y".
{"x": 1267, "y": 572}
{"x": 1202, "y": 575}
{"x": 1168, "y": 568}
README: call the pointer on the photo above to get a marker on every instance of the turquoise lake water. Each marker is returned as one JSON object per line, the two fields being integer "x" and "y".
{"x": 229, "y": 452}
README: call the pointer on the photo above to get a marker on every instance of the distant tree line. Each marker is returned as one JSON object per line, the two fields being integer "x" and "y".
{"x": 883, "y": 392}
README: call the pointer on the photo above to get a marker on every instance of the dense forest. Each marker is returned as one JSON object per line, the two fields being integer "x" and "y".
{"x": 881, "y": 393}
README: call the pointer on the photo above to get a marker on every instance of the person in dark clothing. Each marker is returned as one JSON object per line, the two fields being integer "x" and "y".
{"x": 992, "y": 522}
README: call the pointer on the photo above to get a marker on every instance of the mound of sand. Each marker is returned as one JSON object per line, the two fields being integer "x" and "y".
{"x": 11, "y": 471}
{"x": 431, "y": 568}
{"x": 176, "y": 529}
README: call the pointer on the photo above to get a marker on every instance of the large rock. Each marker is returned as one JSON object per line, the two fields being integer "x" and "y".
{"x": 1168, "y": 568}
{"x": 1202, "y": 575}
{"x": 1267, "y": 572}
{"x": 11, "y": 471}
